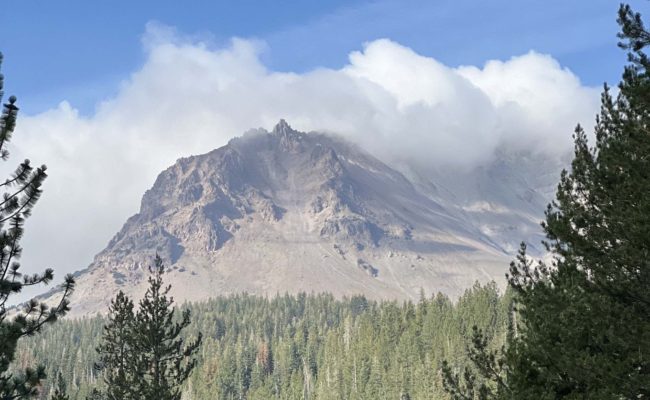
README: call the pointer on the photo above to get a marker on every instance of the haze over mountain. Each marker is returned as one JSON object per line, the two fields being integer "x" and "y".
{"x": 287, "y": 211}
{"x": 401, "y": 105}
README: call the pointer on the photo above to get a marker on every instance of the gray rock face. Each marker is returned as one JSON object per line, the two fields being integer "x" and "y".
{"x": 286, "y": 211}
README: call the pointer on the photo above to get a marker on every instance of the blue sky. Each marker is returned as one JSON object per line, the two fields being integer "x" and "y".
{"x": 79, "y": 50}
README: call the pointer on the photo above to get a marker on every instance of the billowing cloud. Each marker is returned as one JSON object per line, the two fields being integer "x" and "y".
{"x": 189, "y": 98}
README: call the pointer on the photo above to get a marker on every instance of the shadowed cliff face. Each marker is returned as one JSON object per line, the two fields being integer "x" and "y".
{"x": 281, "y": 211}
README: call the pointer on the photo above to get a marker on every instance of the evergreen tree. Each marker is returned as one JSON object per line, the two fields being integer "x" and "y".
{"x": 22, "y": 191}
{"x": 60, "y": 391}
{"x": 163, "y": 359}
{"x": 116, "y": 354}
{"x": 95, "y": 394}
{"x": 584, "y": 319}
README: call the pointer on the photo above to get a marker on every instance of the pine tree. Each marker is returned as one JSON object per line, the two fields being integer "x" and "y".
{"x": 60, "y": 391}
{"x": 142, "y": 355}
{"x": 585, "y": 318}
{"x": 163, "y": 359}
{"x": 22, "y": 191}
{"x": 116, "y": 354}
{"x": 95, "y": 394}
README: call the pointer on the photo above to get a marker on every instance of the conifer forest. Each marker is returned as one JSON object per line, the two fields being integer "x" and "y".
{"x": 295, "y": 347}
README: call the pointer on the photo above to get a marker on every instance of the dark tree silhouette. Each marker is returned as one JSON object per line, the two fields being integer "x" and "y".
{"x": 142, "y": 355}
{"x": 584, "y": 319}
{"x": 21, "y": 192}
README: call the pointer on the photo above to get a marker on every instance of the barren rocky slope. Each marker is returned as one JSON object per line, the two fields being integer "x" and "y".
{"x": 285, "y": 211}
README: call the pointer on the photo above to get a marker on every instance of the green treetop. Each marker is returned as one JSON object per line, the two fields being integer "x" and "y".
{"x": 142, "y": 355}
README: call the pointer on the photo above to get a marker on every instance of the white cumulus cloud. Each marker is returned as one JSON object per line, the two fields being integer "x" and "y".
{"x": 190, "y": 97}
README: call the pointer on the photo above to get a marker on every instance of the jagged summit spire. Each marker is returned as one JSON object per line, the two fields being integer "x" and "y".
{"x": 289, "y": 139}
{"x": 282, "y": 127}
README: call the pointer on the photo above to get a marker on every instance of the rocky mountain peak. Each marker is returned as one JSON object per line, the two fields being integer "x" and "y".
{"x": 289, "y": 139}
{"x": 287, "y": 211}
{"x": 283, "y": 128}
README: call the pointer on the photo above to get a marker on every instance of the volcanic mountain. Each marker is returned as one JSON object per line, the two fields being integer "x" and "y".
{"x": 286, "y": 211}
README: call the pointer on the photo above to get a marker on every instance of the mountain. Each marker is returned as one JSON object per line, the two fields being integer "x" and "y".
{"x": 504, "y": 199}
{"x": 287, "y": 211}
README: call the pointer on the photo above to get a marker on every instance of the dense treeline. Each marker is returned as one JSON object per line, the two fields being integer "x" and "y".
{"x": 304, "y": 346}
